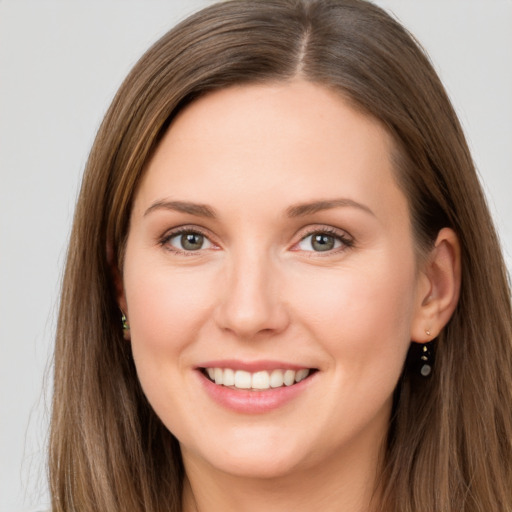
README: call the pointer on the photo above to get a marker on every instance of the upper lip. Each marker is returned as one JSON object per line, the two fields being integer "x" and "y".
{"x": 252, "y": 366}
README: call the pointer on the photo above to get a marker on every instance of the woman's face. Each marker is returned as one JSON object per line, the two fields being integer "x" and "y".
{"x": 269, "y": 243}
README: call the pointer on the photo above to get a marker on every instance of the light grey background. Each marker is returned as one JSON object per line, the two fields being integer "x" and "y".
{"x": 60, "y": 64}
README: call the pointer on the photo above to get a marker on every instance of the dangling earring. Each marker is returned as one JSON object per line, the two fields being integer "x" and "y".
{"x": 126, "y": 327}
{"x": 426, "y": 357}
{"x": 426, "y": 360}
{"x": 421, "y": 357}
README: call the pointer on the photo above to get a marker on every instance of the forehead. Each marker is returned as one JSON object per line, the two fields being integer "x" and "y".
{"x": 277, "y": 116}
{"x": 299, "y": 138}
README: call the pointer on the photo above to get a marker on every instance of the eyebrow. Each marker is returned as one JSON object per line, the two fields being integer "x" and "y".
{"x": 301, "y": 210}
{"x": 298, "y": 210}
{"x": 199, "y": 210}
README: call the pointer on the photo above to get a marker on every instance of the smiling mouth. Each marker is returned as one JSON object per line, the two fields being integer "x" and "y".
{"x": 256, "y": 381}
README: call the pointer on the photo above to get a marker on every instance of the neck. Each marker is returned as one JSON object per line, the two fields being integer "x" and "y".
{"x": 347, "y": 483}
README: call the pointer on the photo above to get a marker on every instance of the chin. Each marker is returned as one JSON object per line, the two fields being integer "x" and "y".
{"x": 258, "y": 458}
{"x": 264, "y": 466}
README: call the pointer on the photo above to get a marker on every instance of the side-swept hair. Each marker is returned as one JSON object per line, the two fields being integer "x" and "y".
{"x": 450, "y": 440}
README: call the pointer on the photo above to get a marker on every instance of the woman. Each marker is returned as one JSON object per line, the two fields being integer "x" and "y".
{"x": 279, "y": 227}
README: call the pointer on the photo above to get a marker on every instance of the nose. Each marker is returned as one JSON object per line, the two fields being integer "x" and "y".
{"x": 251, "y": 301}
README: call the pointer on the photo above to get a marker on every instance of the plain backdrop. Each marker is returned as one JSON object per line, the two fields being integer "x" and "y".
{"x": 60, "y": 65}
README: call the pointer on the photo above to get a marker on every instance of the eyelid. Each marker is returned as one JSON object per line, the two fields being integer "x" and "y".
{"x": 346, "y": 239}
{"x": 186, "y": 228}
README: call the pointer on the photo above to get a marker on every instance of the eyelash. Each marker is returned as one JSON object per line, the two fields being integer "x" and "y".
{"x": 164, "y": 241}
{"x": 346, "y": 241}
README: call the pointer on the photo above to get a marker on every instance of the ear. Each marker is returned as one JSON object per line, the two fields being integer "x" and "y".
{"x": 438, "y": 288}
{"x": 117, "y": 279}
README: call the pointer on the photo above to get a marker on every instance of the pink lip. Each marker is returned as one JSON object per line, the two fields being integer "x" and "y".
{"x": 251, "y": 366}
{"x": 252, "y": 402}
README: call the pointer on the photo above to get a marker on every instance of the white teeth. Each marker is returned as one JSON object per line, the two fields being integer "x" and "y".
{"x": 259, "y": 380}
{"x": 276, "y": 379}
{"x": 218, "y": 376}
{"x": 301, "y": 375}
{"x": 242, "y": 379}
{"x": 289, "y": 377}
{"x": 229, "y": 377}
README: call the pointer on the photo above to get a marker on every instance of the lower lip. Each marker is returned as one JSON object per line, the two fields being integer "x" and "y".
{"x": 253, "y": 402}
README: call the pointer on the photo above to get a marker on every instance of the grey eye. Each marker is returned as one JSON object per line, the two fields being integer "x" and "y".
{"x": 319, "y": 242}
{"x": 190, "y": 241}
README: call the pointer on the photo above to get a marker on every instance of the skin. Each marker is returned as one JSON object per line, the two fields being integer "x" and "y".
{"x": 257, "y": 290}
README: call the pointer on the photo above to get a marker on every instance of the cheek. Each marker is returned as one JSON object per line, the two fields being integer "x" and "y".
{"x": 361, "y": 314}
{"x": 167, "y": 309}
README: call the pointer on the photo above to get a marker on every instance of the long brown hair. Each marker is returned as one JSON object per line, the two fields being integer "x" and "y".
{"x": 450, "y": 440}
